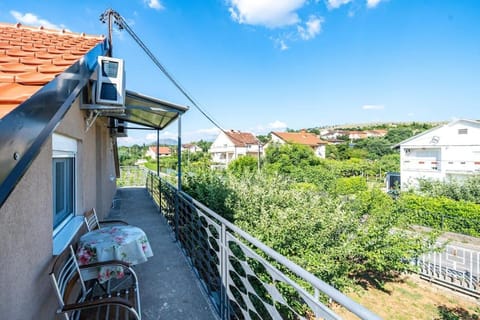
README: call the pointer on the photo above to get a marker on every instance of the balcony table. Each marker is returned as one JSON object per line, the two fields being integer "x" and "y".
{"x": 125, "y": 242}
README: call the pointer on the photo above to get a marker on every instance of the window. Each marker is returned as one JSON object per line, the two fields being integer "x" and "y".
{"x": 63, "y": 179}
{"x": 462, "y": 131}
{"x": 63, "y": 189}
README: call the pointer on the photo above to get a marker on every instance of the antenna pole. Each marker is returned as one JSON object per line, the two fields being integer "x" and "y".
{"x": 110, "y": 53}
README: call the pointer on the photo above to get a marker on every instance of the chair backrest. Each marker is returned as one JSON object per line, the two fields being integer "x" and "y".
{"x": 67, "y": 279}
{"x": 91, "y": 220}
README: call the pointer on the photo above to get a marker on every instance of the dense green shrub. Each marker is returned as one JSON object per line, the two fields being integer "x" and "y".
{"x": 242, "y": 165}
{"x": 350, "y": 185}
{"x": 441, "y": 213}
{"x": 467, "y": 189}
{"x": 210, "y": 188}
{"x": 336, "y": 239}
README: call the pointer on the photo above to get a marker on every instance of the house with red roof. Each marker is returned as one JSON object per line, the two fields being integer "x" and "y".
{"x": 153, "y": 152}
{"x": 61, "y": 97}
{"x": 232, "y": 144}
{"x": 303, "y": 138}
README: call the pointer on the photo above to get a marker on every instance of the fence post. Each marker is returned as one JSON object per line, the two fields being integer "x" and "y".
{"x": 159, "y": 194}
{"x": 224, "y": 312}
{"x": 177, "y": 212}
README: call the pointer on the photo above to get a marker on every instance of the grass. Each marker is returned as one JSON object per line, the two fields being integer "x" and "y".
{"x": 413, "y": 298}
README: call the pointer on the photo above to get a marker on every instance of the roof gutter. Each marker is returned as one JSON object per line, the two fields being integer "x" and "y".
{"x": 25, "y": 129}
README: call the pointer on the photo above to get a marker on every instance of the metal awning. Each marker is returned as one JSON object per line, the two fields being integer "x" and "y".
{"x": 148, "y": 111}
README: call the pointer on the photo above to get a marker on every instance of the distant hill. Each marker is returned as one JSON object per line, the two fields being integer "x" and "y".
{"x": 165, "y": 142}
{"x": 380, "y": 124}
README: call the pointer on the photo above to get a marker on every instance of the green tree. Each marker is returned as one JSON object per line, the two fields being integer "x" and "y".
{"x": 287, "y": 157}
{"x": 397, "y": 135}
{"x": 204, "y": 145}
{"x": 243, "y": 165}
{"x": 264, "y": 138}
{"x": 337, "y": 239}
{"x": 375, "y": 147}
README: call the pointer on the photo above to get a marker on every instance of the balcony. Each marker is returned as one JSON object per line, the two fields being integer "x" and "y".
{"x": 204, "y": 267}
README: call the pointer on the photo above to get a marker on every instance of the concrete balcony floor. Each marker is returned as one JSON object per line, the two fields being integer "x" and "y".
{"x": 168, "y": 286}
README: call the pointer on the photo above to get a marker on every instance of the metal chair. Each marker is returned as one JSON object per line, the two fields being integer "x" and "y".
{"x": 78, "y": 300}
{"x": 91, "y": 220}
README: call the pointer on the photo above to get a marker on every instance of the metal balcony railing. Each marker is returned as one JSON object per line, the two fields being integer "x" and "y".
{"x": 244, "y": 278}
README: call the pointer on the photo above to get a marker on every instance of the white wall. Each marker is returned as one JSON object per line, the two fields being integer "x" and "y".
{"x": 440, "y": 153}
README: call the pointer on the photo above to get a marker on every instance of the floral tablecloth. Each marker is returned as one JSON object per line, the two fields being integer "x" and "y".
{"x": 126, "y": 243}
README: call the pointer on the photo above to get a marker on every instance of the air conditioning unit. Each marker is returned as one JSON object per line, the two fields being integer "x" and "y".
{"x": 110, "y": 86}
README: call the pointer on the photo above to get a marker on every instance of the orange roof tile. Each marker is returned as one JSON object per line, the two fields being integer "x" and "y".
{"x": 161, "y": 150}
{"x": 302, "y": 137}
{"x": 32, "y": 57}
{"x": 241, "y": 139}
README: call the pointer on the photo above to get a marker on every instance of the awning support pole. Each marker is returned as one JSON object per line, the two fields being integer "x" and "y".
{"x": 158, "y": 174}
{"x": 179, "y": 154}
{"x": 179, "y": 178}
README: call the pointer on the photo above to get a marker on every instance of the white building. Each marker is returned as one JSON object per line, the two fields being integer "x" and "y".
{"x": 303, "y": 138}
{"x": 229, "y": 145}
{"x": 191, "y": 147}
{"x": 441, "y": 153}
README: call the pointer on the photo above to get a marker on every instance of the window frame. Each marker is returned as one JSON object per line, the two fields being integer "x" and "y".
{"x": 64, "y": 148}
{"x": 68, "y": 190}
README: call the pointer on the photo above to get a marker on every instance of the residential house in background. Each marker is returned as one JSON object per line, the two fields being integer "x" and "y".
{"x": 450, "y": 151}
{"x": 191, "y": 147}
{"x": 152, "y": 152}
{"x": 229, "y": 145}
{"x": 332, "y": 134}
{"x": 302, "y": 138}
{"x": 58, "y": 151}
{"x": 377, "y": 133}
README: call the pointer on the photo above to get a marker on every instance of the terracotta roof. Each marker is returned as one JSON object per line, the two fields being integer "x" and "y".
{"x": 302, "y": 137}
{"x": 241, "y": 139}
{"x": 161, "y": 150}
{"x": 32, "y": 57}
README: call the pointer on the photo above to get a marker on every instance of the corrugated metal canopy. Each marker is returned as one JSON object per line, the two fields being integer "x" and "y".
{"x": 148, "y": 111}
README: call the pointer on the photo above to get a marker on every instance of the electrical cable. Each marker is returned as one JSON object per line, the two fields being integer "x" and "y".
{"x": 122, "y": 24}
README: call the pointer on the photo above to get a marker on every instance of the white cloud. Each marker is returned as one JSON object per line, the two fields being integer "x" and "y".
{"x": 334, "y": 4}
{"x": 269, "y": 13}
{"x": 312, "y": 27}
{"x": 207, "y": 134}
{"x": 280, "y": 43}
{"x": 208, "y": 131}
{"x": 154, "y": 4}
{"x": 283, "y": 45}
{"x": 129, "y": 141}
{"x": 33, "y": 20}
{"x": 277, "y": 124}
{"x": 373, "y": 3}
{"x": 373, "y": 107}
{"x": 151, "y": 137}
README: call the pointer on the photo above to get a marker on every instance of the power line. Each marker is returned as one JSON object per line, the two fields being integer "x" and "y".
{"x": 122, "y": 24}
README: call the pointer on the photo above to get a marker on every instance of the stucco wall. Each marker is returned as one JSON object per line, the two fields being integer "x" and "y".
{"x": 26, "y": 217}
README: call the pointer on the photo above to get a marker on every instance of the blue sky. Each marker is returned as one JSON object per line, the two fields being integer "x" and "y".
{"x": 263, "y": 65}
